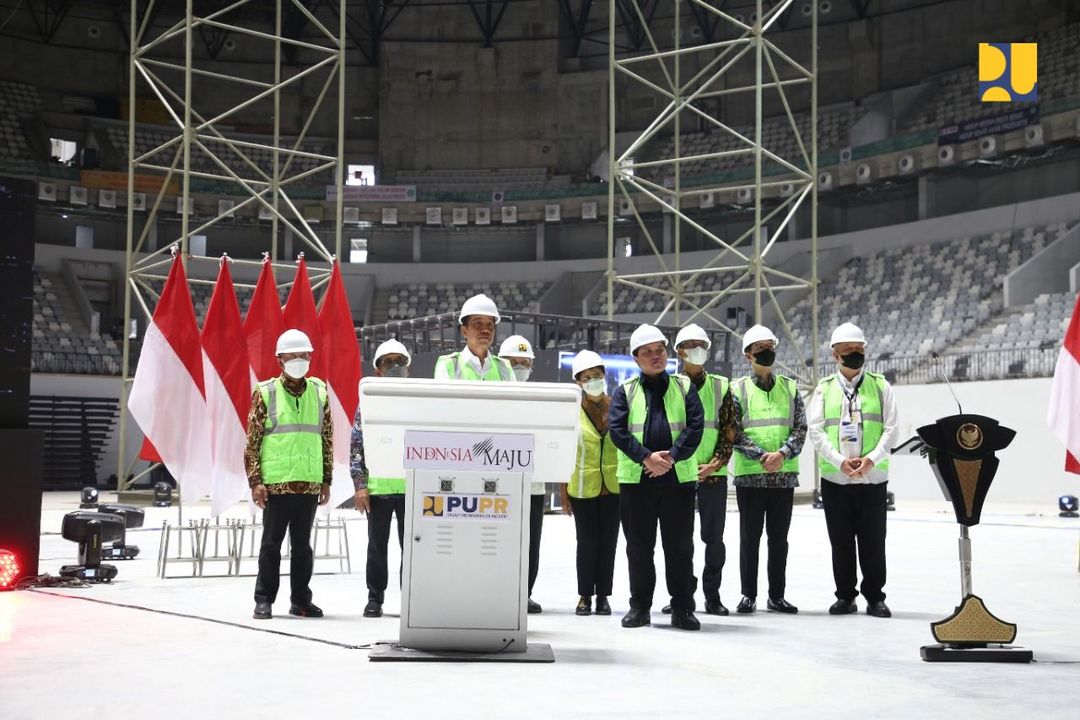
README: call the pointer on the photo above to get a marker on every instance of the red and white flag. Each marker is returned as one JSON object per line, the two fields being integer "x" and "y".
{"x": 229, "y": 384}
{"x": 167, "y": 395}
{"x": 300, "y": 315}
{"x": 263, "y": 325}
{"x": 342, "y": 377}
{"x": 1064, "y": 413}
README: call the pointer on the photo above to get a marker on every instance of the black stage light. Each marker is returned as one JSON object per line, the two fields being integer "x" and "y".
{"x": 890, "y": 501}
{"x": 91, "y": 530}
{"x": 1068, "y": 505}
{"x": 89, "y": 497}
{"x": 162, "y": 494}
{"x": 133, "y": 518}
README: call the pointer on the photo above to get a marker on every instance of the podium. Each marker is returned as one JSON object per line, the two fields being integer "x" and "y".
{"x": 468, "y": 452}
{"x": 961, "y": 450}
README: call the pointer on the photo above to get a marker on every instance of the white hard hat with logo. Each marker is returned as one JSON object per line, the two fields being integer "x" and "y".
{"x": 293, "y": 341}
{"x": 693, "y": 331}
{"x": 645, "y": 335}
{"x": 479, "y": 305}
{"x": 757, "y": 334}
{"x": 585, "y": 360}
{"x": 516, "y": 346}
{"x": 391, "y": 347}
{"x": 847, "y": 332}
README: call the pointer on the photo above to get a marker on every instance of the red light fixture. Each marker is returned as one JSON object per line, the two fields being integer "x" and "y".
{"x": 9, "y": 569}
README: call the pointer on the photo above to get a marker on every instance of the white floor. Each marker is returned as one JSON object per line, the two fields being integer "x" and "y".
{"x": 61, "y": 656}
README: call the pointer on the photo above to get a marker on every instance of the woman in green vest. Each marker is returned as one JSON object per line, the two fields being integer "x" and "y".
{"x": 852, "y": 420}
{"x": 477, "y": 319}
{"x": 592, "y": 494}
{"x": 380, "y": 498}
{"x": 765, "y": 465}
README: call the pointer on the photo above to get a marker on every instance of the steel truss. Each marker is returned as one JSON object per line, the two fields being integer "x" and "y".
{"x": 152, "y": 68}
{"x": 745, "y": 257}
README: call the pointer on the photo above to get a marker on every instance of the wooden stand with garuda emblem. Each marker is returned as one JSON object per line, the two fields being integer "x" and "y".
{"x": 961, "y": 452}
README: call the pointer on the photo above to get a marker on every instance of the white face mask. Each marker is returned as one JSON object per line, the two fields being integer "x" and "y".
{"x": 697, "y": 356}
{"x": 595, "y": 387}
{"x": 521, "y": 374}
{"x": 297, "y": 368}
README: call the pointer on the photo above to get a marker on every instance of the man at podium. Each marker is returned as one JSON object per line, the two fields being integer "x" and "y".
{"x": 477, "y": 319}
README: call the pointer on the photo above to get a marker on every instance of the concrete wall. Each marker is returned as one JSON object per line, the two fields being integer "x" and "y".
{"x": 1047, "y": 272}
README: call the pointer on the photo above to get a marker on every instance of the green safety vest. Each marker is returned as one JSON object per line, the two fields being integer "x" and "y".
{"x": 767, "y": 419}
{"x": 871, "y": 404}
{"x": 597, "y": 462}
{"x": 629, "y": 472}
{"x": 712, "y": 394}
{"x": 292, "y": 442}
{"x": 457, "y": 369}
{"x": 386, "y": 486}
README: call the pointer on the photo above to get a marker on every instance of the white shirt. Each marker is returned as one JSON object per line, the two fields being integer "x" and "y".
{"x": 815, "y": 421}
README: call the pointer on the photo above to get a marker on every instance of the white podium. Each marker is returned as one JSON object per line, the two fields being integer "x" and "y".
{"x": 468, "y": 451}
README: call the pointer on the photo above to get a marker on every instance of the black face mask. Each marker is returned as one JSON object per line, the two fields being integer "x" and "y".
{"x": 765, "y": 358}
{"x": 853, "y": 361}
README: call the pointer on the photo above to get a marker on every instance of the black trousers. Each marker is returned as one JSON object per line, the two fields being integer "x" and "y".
{"x": 768, "y": 508}
{"x": 536, "y": 528}
{"x": 856, "y": 513}
{"x": 597, "y": 523}
{"x": 641, "y": 507}
{"x": 712, "y": 511}
{"x": 383, "y": 510}
{"x": 295, "y": 514}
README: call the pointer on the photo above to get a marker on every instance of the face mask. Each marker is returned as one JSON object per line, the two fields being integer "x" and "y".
{"x": 765, "y": 358}
{"x": 853, "y": 361}
{"x": 297, "y": 368}
{"x": 521, "y": 374}
{"x": 594, "y": 387}
{"x": 697, "y": 356}
{"x": 396, "y": 371}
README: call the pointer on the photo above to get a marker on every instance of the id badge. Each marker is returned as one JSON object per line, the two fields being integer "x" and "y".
{"x": 849, "y": 432}
{"x": 856, "y": 416}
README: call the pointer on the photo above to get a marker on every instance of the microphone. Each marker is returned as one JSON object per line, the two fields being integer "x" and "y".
{"x": 941, "y": 371}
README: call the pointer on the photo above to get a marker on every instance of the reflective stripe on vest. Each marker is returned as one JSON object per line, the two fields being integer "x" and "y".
{"x": 500, "y": 370}
{"x": 292, "y": 443}
{"x": 768, "y": 418}
{"x": 629, "y": 472}
{"x": 596, "y": 463}
{"x": 711, "y": 394}
{"x": 871, "y": 405}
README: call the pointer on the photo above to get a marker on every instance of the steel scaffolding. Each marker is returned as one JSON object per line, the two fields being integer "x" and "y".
{"x": 790, "y": 182}
{"x": 153, "y": 65}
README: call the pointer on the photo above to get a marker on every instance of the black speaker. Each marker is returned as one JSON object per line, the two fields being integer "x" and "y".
{"x": 20, "y": 497}
{"x": 17, "y": 199}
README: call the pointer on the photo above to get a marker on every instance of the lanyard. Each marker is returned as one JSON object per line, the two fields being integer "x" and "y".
{"x": 852, "y": 396}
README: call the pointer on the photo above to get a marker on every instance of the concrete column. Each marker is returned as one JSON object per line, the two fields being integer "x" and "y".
{"x": 926, "y": 202}
{"x": 151, "y": 237}
{"x": 669, "y": 235}
{"x": 288, "y": 245}
{"x": 416, "y": 243}
{"x": 541, "y": 229}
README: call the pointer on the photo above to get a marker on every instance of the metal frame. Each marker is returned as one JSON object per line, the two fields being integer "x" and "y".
{"x": 147, "y": 68}
{"x": 750, "y": 251}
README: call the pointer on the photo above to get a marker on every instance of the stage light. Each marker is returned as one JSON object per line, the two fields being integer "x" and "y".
{"x": 818, "y": 503}
{"x": 133, "y": 517}
{"x": 1068, "y": 505}
{"x": 162, "y": 494}
{"x": 91, "y": 530}
{"x": 89, "y": 497}
{"x": 890, "y": 502}
{"x": 9, "y": 569}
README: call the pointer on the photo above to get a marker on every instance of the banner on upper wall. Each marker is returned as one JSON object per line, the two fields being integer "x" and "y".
{"x": 373, "y": 193}
{"x": 106, "y": 180}
{"x": 993, "y": 125}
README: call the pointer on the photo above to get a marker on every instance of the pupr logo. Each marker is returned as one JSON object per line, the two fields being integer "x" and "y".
{"x": 1008, "y": 72}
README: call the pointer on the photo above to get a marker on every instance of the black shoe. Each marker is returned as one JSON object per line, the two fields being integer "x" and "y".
{"x": 306, "y": 610}
{"x": 878, "y": 608}
{"x": 666, "y": 610}
{"x": 843, "y": 607}
{"x": 636, "y": 618}
{"x": 781, "y": 605}
{"x": 373, "y": 609}
{"x": 534, "y": 607}
{"x": 715, "y": 607}
{"x": 262, "y": 611}
{"x": 746, "y": 606}
{"x": 602, "y": 606}
{"x": 684, "y": 620}
{"x": 584, "y": 606}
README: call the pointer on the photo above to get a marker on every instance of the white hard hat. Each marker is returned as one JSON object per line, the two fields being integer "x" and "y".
{"x": 516, "y": 346}
{"x": 585, "y": 360}
{"x": 757, "y": 334}
{"x": 292, "y": 341}
{"x": 391, "y": 347}
{"x": 693, "y": 331}
{"x": 479, "y": 305}
{"x": 645, "y": 335}
{"x": 847, "y": 332}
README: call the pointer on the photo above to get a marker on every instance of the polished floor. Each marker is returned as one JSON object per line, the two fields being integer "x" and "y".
{"x": 188, "y": 648}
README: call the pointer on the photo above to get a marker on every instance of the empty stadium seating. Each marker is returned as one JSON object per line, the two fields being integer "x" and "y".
{"x": 61, "y": 342}
{"x": 423, "y": 299}
{"x": 479, "y": 180}
{"x": 16, "y": 99}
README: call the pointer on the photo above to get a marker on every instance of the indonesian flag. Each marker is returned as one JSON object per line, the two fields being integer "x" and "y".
{"x": 229, "y": 384}
{"x": 300, "y": 314}
{"x": 1064, "y": 414}
{"x": 167, "y": 395}
{"x": 342, "y": 378}
{"x": 263, "y": 325}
